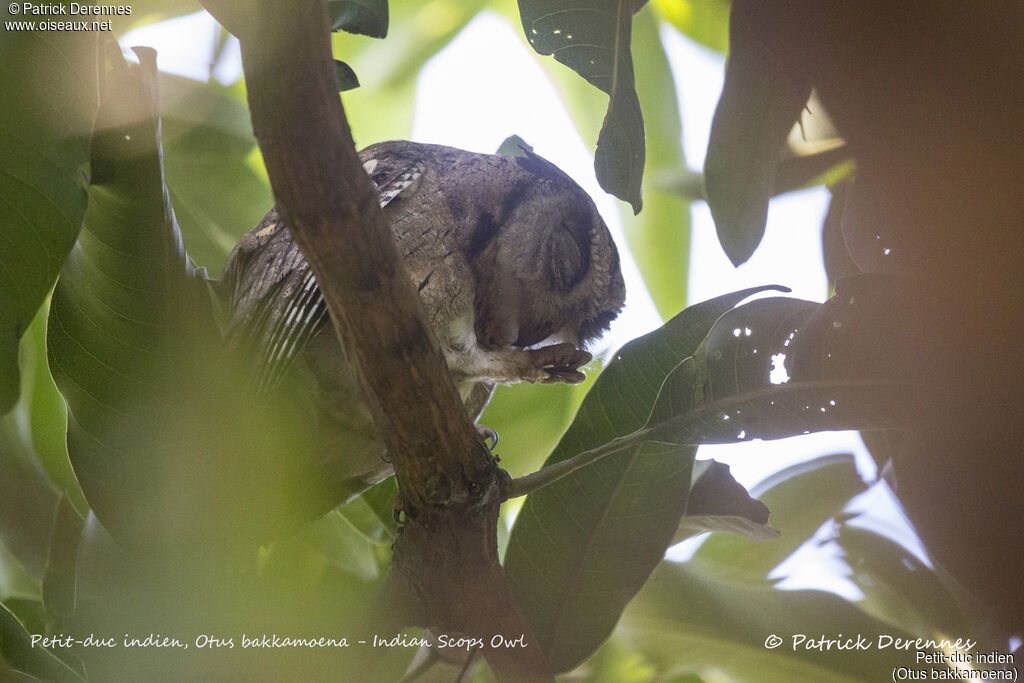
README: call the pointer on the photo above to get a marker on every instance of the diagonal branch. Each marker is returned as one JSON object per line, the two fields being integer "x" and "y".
{"x": 445, "y": 564}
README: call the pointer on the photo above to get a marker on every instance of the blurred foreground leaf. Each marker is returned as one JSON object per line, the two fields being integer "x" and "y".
{"x": 690, "y": 619}
{"x": 36, "y": 663}
{"x": 49, "y": 100}
{"x": 166, "y": 447}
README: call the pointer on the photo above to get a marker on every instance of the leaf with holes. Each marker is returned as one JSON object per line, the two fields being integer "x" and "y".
{"x": 593, "y": 39}
{"x": 601, "y": 530}
{"x": 781, "y": 367}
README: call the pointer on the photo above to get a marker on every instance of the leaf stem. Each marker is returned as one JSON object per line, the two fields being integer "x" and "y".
{"x": 551, "y": 473}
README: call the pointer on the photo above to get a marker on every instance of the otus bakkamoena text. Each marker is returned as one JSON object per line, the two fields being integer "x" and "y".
{"x": 514, "y": 266}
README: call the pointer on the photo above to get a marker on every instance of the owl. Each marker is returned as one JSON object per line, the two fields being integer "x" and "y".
{"x": 514, "y": 266}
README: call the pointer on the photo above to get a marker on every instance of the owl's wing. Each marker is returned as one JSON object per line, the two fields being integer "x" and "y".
{"x": 274, "y": 305}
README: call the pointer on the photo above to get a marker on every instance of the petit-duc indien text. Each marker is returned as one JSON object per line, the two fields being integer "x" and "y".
{"x": 66, "y": 641}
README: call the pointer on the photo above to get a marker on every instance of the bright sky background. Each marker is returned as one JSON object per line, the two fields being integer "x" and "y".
{"x": 510, "y": 94}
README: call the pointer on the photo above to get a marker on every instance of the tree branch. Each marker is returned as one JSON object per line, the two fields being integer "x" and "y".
{"x": 445, "y": 561}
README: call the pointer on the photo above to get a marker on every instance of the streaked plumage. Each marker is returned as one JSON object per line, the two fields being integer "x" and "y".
{"x": 514, "y": 267}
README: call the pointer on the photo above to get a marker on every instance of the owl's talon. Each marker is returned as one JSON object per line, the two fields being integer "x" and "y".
{"x": 488, "y": 434}
{"x": 397, "y": 509}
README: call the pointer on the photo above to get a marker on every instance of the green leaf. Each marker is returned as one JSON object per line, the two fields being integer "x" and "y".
{"x": 593, "y": 39}
{"x": 717, "y": 502}
{"x": 15, "y": 581}
{"x": 690, "y": 618}
{"x": 109, "y": 319}
{"x": 17, "y": 651}
{"x": 659, "y": 237}
{"x": 705, "y": 21}
{"x": 49, "y": 101}
{"x": 347, "y": 79}
{"x": 168, "y": 449}
{"x": 782, "y": 367}
{"x": 42, "y": 408}
{"x": 531, "y": 419}
{"x": 27, "y": 501}
{"x": 368, "y": 17}
{"x": 372, "y": 514}
{"x": 584, "y": 545}
{"x": 801, "y": 498}
{"x": 345, "y": 546}
{"x": 826, "y": 167}
{"x": 838, "y": 263}
{"x": 761, "y": 100}
{"x": 902, "y": 590}
{"x": 61, "y": 566}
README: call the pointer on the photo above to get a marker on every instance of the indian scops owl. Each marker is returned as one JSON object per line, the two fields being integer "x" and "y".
{"x": 514, "y": 266}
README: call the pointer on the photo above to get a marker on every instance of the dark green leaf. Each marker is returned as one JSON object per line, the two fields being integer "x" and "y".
{"x": 372, "y": 514}
{"x": 49, "y": 101}
{"x": 801, "y": 498}
{"x": 27, "y": 501}
{"x": 584, "y": 545}
{"x": 782, "y": 367}
{"x": 61, "y": 566}
{"x": 368, "y": 17}
{"x": 838, "y": 263}
{"x": 718, "y": 502}
{"x": 761, "y": 100}
{"x": 659, "y": 237}
{"x": 347, "y": 79}
{"x": 691, "y": 618}
{"x": 593, "y": 39}
{"x": 17, "y": 651}
{"x": 109, "y": 316}
{"x": 826, "y": 167}
{"x": 902, "y": 590}
{"x": 168, "y": 449}
{"x": 15, "y": 581}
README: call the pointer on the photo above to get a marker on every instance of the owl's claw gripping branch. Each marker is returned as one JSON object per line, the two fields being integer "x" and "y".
{"x": 488, "y": 434}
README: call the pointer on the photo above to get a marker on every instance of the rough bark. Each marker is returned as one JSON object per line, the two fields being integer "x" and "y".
{"x": 445, "y": 564}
